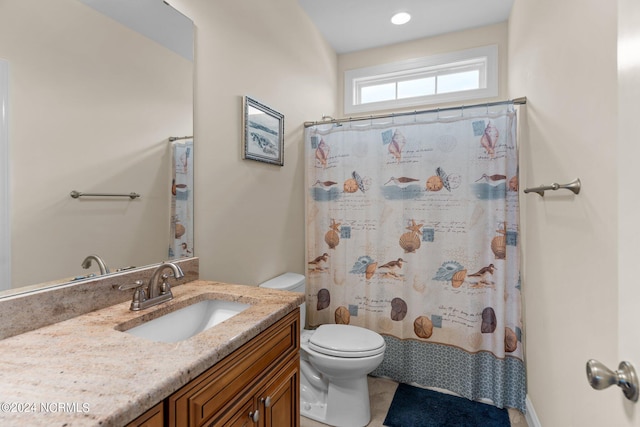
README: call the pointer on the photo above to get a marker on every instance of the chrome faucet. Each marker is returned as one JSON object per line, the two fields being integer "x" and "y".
{"x": 155, "y": 292}
{"x": 103, "y": 267}
{"x": 155, "y": 288}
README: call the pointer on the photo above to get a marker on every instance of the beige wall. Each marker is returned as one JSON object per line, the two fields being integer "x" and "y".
{"x": 250, "y": 215}
{"x": 562, "y": 56}
{"x": 91, "y": 107}
{"x": 451, "y": 42}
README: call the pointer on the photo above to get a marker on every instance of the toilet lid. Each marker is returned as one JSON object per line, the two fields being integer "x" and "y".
{"x": 346, "y": 341}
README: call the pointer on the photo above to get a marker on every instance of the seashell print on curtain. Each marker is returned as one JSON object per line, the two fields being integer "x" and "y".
{"x": 413, "y": 232}
{"x": 181, "y": 225}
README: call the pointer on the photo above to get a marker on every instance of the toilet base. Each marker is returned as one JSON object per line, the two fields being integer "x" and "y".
{"x": 348, "y": 407}
{"x": 315, "y": 411}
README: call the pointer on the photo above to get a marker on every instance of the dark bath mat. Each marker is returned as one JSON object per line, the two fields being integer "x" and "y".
{"x": 418, "y": 407}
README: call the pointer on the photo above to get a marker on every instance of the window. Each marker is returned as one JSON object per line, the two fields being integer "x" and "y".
{"x": 457, "y": 76}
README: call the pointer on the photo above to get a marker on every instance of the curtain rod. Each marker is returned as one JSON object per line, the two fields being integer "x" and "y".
{"x": 175, "y": 138}
{"x": 517, "y": 101}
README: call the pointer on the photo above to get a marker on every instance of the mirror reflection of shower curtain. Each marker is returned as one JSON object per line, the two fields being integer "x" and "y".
{"x": 181, "y": 227}
{"x": 412, "y": 231}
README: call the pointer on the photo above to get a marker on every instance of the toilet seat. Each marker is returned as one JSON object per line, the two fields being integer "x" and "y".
{"x": 346, "y": 341}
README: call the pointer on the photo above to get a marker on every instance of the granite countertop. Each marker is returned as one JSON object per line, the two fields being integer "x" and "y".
{"x": 84, "y": 372}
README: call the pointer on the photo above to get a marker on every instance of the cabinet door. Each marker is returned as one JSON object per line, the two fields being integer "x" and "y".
{"x": 280, "y": 399}
{"x": 242, "y": 417}
{"x": 154, "y": 417}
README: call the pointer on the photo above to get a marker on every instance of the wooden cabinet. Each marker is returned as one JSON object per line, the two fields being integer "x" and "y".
{"x": 154, "y": 417}
{"x": 257, "y": 385}
{"x": 275, "y": 403}
{"x": 243, "y": 417}
{"x": 280, "y": 399}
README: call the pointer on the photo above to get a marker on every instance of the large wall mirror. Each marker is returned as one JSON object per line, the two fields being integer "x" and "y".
{"x": 94, "y": 96}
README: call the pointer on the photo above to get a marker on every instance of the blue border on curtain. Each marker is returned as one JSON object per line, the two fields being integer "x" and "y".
{"x": 456, "y": 370}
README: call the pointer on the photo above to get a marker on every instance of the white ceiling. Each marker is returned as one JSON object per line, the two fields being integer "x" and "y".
{"x": 348, "y": 25}
{"x": 352, "y": 25}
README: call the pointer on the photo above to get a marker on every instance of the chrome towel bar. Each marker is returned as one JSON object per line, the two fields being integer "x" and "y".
{"x": 76, "y": 194}
{"x": 573, "y": 186}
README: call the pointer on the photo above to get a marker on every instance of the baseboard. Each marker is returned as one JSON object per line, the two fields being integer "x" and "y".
{"x": 531, "y": 417}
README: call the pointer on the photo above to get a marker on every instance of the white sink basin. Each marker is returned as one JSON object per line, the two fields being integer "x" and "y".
{"x": 188, "y": 321}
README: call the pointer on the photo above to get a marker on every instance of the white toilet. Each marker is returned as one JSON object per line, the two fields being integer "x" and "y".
{"x": 335, "y": 361}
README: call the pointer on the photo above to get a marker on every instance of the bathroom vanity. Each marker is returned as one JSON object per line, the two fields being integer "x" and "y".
{"x": 88, "y": 371}
{"x": 258, "y": 383}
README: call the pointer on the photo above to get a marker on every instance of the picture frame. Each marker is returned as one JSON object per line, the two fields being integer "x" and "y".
{"x": 263, "y": 133}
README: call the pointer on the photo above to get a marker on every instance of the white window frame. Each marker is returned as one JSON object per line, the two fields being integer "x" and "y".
{"x": 484, "y": 59}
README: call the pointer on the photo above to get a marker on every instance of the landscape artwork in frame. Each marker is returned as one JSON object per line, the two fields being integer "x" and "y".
{"x": 263, "y": 133}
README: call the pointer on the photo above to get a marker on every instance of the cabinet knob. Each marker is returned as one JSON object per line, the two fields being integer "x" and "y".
{"x": 266, "y": 401}
{"x": 255, "y": 416}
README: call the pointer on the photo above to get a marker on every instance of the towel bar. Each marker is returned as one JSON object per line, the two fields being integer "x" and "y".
{"x": 76, "y": 194}
{"x": 573, "y": 186}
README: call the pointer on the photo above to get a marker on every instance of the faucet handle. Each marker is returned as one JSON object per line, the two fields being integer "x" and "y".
{"x": 139, "y": 295}
{"x": 134, "y": 285}
{"x": 165, "y": 288}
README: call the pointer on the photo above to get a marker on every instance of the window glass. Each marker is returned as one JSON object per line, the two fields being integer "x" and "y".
{"x": 416, "y": 87}
{"x": 376, "y": 93}
{"x": 455, "y": 82}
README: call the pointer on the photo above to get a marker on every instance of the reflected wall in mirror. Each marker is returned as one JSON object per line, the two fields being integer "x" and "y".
{"x": 92, "y": 104}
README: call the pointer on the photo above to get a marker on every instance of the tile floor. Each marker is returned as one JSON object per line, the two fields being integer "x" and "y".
{"x": 381, "y": 391}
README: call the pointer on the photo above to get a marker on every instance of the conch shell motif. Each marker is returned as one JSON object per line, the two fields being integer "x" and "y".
{"x": 396, "y": 145}
{"x": 322, "y": 153}
{"x": 489, "y": 139}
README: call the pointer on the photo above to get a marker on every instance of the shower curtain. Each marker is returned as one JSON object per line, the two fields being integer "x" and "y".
{"x": 412, "y": 231}
{"x": 181, "y": 223}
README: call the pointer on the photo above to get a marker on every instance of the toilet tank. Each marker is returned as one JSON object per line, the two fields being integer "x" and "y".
{"x": 292, "y": 282}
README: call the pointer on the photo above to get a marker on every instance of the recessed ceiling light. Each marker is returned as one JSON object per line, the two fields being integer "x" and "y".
{"x": 400, "y": 18}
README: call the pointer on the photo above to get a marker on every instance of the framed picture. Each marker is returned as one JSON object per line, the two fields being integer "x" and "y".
{"x": 263, "y": 133}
